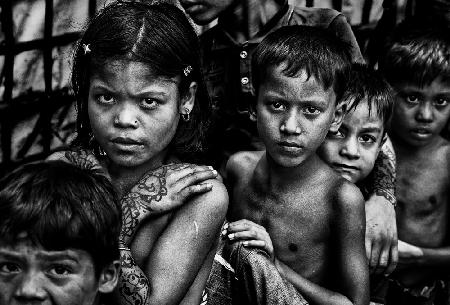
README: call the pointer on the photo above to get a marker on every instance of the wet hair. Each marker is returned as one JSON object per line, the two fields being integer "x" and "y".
{"x": 60, "y": 206}
{"x": 417, "y": 53}
{"x": 366, "y": 84}
{"x": 158, "y": 35}
{"x": 317, "y": 51}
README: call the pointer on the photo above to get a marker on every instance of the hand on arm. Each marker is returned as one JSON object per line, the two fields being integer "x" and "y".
{"x": 381, "y": 227}
{"x": 251, "y": 234}
{"x": 160, "y": 191}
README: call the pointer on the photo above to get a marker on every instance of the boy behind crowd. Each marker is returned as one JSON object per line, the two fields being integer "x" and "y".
{"x": 285, "y": 199}
{"x": 353, "y": 150}
{"x": 59, "y": 232}
{"x": 417, "y": 64}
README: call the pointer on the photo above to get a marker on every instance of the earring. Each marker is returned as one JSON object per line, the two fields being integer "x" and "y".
{"x": 185, "y": 116}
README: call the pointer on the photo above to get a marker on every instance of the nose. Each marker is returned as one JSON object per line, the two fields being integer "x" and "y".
{"x": 350, "y": 149}
{"x": 126, "y": 116}
{"x": 425, "y": 113}
{"x": 30, "y": 288}
{"x": 290, "y": 124}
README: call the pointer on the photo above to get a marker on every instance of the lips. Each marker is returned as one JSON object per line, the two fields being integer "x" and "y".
{"x": 289, "y": 144}
{"x": 125, "y": 141}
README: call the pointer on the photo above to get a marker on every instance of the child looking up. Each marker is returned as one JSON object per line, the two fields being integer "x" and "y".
{"x": 142, "y": 112}
{"x": 417, "y": 65}
{"x": 59, "y": 232}
{"x": 285, "y": 199}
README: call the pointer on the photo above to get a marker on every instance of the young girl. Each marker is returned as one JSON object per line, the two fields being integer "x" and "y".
{"x": 142, "y": 111}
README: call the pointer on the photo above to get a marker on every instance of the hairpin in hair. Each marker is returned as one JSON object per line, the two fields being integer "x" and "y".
{"x": 86, "y": 48}
{"x": 187, "y": 70}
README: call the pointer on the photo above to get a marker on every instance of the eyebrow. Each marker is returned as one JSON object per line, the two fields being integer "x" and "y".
{"x": 63, "y": 255}
{"x": 371, "y": 129}
{"x": 154, "y": 92}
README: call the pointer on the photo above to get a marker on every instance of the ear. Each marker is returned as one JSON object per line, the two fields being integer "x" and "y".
{"x": 109, "y": 277}
{"x": 338, "y": 116}
{"x": 188, "y": 100}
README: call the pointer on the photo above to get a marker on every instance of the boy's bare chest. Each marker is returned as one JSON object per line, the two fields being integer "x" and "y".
{"x": 297, "y": 222}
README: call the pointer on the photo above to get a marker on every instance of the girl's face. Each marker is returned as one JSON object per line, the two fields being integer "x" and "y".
{"x": 133, "y": 114}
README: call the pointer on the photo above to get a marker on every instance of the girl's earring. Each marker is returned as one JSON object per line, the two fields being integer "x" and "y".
{"x": 185, "y": 116}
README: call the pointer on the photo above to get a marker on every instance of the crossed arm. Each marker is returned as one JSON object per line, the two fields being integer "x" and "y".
{"x": 169, "y": 251}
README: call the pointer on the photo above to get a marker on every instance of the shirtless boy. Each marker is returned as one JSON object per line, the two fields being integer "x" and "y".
{"x": 417, "y": 65}
{"x": 285, "y": 199}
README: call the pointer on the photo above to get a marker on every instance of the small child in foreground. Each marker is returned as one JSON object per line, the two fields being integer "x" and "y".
{"x": 59, "y": 232}
{"x": 417, "y": 65}
{"x": 353, "y": 150}
{"x": 285, "y": 199}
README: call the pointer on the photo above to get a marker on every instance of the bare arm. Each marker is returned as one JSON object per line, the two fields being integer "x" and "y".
{"x": 413, "y": 256}
{"x": 174, "y": 258}
{"x": 381, "y": 227}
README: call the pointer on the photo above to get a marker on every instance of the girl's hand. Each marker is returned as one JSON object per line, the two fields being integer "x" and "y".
{"x": 252, "y": 235}
{"x": 161, "y": 191}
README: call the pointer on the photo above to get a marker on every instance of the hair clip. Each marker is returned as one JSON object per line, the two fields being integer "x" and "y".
{"x": 86, "y": 48}
{"x": 187, "y": 70}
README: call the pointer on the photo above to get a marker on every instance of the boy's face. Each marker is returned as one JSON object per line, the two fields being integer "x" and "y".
{"x": 294, "y": 115}
{"x": 352, "y": 151}
{"x": 31, "y": 275}
{"x": 420, "y": 113}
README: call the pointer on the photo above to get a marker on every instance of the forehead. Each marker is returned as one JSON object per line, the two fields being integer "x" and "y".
{"x": 438, "y": 85}
{"x": 130, "y": 74}
{"x": 26, "y": 250}
{"x": 360, "y": 117}
{"x": 301, "y": 87}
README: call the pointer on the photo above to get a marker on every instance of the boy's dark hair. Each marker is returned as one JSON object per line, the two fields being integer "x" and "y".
{"x": 366, "y": 83}
{"x": 61, "y": 206}
{"x": 317, "y": 51}
{"x": 158, "y": 35}
{"x": 417, "y": 52}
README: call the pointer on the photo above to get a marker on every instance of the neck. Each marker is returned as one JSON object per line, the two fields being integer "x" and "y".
{"x": 124, "y": 178}
{"x": 247, "y": 17}
{"x": 404, "y": 149}
{"x": 280, "y": 177}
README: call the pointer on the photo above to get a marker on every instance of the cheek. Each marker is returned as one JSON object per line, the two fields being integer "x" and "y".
{"x": 328, "y": 151}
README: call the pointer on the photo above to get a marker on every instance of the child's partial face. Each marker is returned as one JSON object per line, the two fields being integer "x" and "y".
{"x": 205, "y": 11}
{"x": 133, "y": 114}
{"x": 352, "y": 151}
{"x": 31, "y": 275}
{"x": 294, "y": 115}
{"x": 420, "y": 113}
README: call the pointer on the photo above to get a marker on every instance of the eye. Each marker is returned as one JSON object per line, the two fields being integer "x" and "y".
{"x": 367, "y": 139}
{"x": 311, "y": 110}
{"x": 105, "y": 99}
{"x": 277, "y": 106}
{"x": 9, "y": 268}
{"x": 441, "y": 102}
{"x": 412, "y": 98}
{"x": 59, "y": 270}
{"x": 149, "y": 103}
{"x": 336, "y": 135}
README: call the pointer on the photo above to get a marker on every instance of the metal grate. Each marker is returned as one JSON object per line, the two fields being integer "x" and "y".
{"x": 45, "y": 104}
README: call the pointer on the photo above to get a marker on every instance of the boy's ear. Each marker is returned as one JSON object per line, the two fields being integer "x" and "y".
{"x": 339, "y": 114}
{"x": 252, "y": 112}
{"x": 188, "y": 100}
{"x": 109, "y": 277}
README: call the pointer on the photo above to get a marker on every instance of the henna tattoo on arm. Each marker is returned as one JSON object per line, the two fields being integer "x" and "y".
{"x": 137, "y": 203}
{"x": 383, "y": 175}
{"x": 84, "y": 159}
{"x": 133, "y": 286}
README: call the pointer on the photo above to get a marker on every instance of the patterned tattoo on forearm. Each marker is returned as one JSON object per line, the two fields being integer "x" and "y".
{"x": 133, "y": 287}
{"x": 384, "y": 176}
{"x": 138, "y": 202}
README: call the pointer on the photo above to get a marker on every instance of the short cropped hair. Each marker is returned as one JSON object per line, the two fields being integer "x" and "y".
{"x": 60, "y": 206}
{"x": 317, "y": 51}
{"x": 370, "y": 85}
{"x": 417, "y": 53}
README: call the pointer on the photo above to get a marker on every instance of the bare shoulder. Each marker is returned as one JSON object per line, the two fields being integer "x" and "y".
{"x": 242, "y": 162}
{"x": 347, "y": 196}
